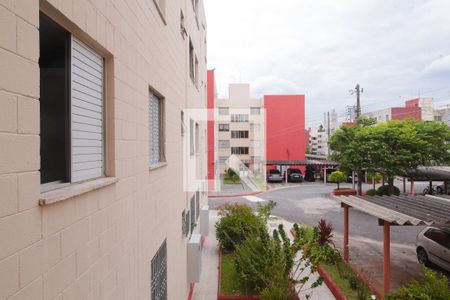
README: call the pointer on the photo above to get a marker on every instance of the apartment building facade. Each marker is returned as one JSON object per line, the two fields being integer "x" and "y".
{"x": 96, "y": 125}
{"x": 240, "y": 122}
{"x": 420, "y": 109}
{"x": 442, "y": 114}
{"x": 318, "y": 141}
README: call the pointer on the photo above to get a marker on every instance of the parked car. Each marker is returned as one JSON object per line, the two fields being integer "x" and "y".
{"x": 274, "y": 176}
{"x": 350, "y": 178}
{"x": 433, "y": 246}
{"x": 294, "y": 175}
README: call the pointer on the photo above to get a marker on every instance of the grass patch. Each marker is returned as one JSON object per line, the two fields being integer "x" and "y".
{"x": 230, "y": 283}
{"x": 342, "y": 280}
{"x": 232, "y": 180}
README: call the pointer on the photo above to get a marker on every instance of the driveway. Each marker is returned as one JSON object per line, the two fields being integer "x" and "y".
{"x": 307, "y": 203}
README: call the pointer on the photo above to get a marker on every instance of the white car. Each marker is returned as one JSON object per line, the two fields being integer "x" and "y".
{"x": 433, "y": 246}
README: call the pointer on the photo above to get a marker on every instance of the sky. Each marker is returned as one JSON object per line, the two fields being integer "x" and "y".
{"x": 395, "y": 49}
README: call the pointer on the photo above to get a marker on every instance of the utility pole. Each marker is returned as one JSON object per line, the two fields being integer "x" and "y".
{"x": 358, "y": 103}
{"x": 358, "y": 90}
{"x": 328, "y": 132}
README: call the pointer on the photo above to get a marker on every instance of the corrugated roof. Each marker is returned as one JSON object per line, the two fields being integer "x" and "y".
{"x": 439, "y": 173}
{"x": 403, "y": 210}
{"x": 306, "y": 162}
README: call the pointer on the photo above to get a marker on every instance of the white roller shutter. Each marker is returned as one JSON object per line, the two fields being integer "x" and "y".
{"x": 154, "y": 116}
{"x": 87, "y": 161}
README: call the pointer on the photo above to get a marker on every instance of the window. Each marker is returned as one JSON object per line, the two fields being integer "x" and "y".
{"x": 197, "y": 138}
{"x": 71, "y": 106}
{"x": 197, "y": 205}
{"x": 183, "y": 126}
{"x": 196, "y": 72}
{"x": 255, "y": 127}
{"x": 183, "y": 223}
{"x": 239, "y": 150}
{"x": 191, "y": 61}
{"x": 193, "y": 215}
{"x": 239, "y": 118}
{"x": 438, "y": 118}
{"x": 223, "y": 111}
{"x": 256, "y": 159}
{"x": 156, "y": 128}
{"x": 159, "y": 274}
{"x": 439, "y": 236}
{"x": 223, "y": 159}
{"x": 224, "y": 127}
{"x": 255, "y": 144}
{"x": 224, "y": 144}
{"x": 255, "y": 110}
{"x": 387, "y": 118}
{"x": 187, "y": 221}
{"x": 191, "y": 136}
{"x": 182, "y": 26}
{"x": 240, "y": 134}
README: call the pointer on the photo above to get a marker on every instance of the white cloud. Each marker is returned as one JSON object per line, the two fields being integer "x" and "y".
{"x": 323, "y": 48}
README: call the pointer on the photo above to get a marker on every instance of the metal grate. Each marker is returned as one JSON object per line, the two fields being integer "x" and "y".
{"x": 159, "y": 274}
{"x": 155, "y": 132}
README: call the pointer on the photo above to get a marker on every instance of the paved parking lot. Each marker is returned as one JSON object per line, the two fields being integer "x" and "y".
{"x": 307, "y": 203}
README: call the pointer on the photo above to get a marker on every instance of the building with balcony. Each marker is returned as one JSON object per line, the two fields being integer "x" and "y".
{"x": 96, "y": 125}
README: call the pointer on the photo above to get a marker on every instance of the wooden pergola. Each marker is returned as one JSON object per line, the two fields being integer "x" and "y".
{"x": 396, "y": 211}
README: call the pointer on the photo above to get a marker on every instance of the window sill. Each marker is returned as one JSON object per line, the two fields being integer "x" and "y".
{"x": 75, "y": 189}
{"x": 157, "y": 166}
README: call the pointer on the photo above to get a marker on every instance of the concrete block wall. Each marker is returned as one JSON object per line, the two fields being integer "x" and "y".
{"x": 98, "y": 245}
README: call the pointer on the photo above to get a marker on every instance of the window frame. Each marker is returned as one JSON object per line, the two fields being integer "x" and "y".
{"x": 162, "y": 129}
{"x": 222, "y": 127}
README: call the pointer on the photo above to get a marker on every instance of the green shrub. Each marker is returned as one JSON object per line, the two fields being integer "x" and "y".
{"x": 337, "y": 177}
{"x": 434, "y": 287}
{"x": 264, "y": 263}
{"x": 377, "y": 177}
{"x": 385, "y": 190}
{"x": 371, "y": 192}
{"x": 238, "y": 222}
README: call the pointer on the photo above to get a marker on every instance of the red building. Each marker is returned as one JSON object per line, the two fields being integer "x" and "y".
{"x": 286, "y": 137}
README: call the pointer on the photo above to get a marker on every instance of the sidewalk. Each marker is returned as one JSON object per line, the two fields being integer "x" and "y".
{"x": 206, "y": 289}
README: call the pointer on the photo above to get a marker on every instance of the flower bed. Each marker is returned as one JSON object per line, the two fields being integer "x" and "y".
{"x": 344, "y": 192}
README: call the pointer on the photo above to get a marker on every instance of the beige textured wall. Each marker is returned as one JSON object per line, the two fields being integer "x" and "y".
{"x": 98, "y": 245}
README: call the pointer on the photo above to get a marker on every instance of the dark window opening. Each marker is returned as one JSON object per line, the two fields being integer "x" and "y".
{"x": 54, "y": 101}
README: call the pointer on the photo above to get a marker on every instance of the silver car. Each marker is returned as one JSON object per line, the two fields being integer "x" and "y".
{"x": 433, "y": 246}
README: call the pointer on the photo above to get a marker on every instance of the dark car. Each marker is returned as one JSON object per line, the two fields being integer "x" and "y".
{"x": 274, "y": 176}
{"x": 294, "y": 175}
{"x": 350, "y": 178}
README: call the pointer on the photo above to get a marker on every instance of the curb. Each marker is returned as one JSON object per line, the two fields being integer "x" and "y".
{"x": 235, "y": 196}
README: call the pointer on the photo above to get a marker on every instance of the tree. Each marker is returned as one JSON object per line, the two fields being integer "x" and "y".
{"x": 405, "y": 145}
{"x": 337, "y": 177}
{"x": 392, "y": 148}
{"x": 350, "y": 147}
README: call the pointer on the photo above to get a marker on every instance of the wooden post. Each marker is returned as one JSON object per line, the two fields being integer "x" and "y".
{"x": 373, "y": 181}
{"x": 325, "y": 175}
{"x": 404, "y": 185}
{"x": 412, "y": 186}
{"x": 430, "y": 191}
{"x": 445, "y": 187}
{"x": 346, "y": 232}
{"x": 353, "y": 179}
{"x": 382, "y": 180}
{"x": 387, "y": 257}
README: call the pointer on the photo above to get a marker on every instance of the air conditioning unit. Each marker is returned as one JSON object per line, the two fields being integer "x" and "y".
{"x": 204, "y": 221}
{"x": 194, "y": 258}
